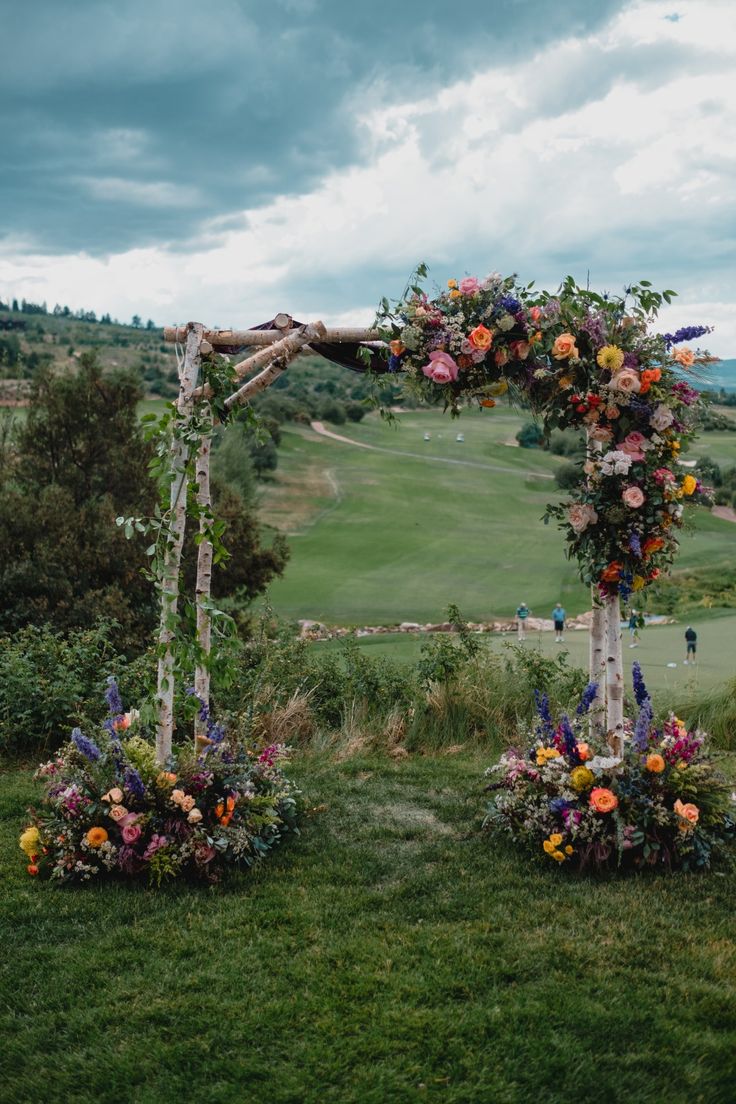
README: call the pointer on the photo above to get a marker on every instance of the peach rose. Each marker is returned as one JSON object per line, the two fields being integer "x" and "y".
{"x": 118, "y": 812}
{"x": 115, "y": 794}
{"x": 195, "y": 815}
{"x": 685, "y": 357}
{"x": 603, "y": 800}
{"x": 601, "y": 434}
{"x": 564, "y": 347}
{"x": 187, "y": 803}
{"x": 633, "y": 497}
{"x": 177, "y": 796}
{"x": 581, "y": 515}
{"x": 396, "y": 347}
{"x": 480, "y": 338}
{"x": 626, "y": 380}
{"x": 535, "y": 313}
{"x": 688, "y": 813}
{"x": 584, "y": 752}
{"x": 655, "y": 763}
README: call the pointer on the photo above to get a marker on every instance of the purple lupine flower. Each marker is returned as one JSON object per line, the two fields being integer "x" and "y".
{"x": 643, "y": 722}
{"x": 546, "y": 728}
{"x": 685, "y": 333}
{"x": 134, "y": 783}
{"x": 587, "y": 698}
{"x": 112, "y": 697}
{"x": 635, "y": 544}
{"x": 640, "y": 691}
{"x": 568, "y": 737}
{"x": 88, "y": 748}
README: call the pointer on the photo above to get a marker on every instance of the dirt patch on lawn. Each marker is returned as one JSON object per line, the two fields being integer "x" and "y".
{"x": 405, "y": 815}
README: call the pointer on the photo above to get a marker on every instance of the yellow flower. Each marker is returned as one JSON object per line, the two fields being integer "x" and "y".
{"x": 675, "y": 446}
{"x": 610, "y": 357}
{"x": 548, "y": 846}
{"x": 29, "y": 841}
{"x": 569, "y": 850}
{"x": 558, "y": 855}
{"x": 455, "y": 294}
{"x": 681, "y": 764}
{"x": 638, "y": 582}
{"x": 689, "y": 484}
{"x": 581, "y": 778}
{"x": 564, "y": 383}
{"x": 500, "y": 387}
{"x": 555, "y": 839}
{"x": 452, "y": 283}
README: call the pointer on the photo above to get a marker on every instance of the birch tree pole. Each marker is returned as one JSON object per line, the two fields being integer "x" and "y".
{"x": 614, "y": 676}
{"x": 188, "y": 373}
{"x": 203, "y": 587}
{"x": 597, "y": 664}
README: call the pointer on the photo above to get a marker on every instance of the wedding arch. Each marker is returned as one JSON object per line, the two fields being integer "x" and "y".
{"x": 580, "y": 360}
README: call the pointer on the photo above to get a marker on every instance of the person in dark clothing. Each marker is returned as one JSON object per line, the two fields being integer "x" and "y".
{"x": 691, "y": 640}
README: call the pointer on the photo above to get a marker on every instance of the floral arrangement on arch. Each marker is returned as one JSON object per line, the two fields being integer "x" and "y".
{"x": 109, "y": 810}
{"x": 662, "y": 803}
{"x": 581, "y": 360}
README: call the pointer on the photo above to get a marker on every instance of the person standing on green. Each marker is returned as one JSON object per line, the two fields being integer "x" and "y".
{"x": 558, "y": 616}
{"x": 691, "y": 643}
{"x": 521, "y": 615}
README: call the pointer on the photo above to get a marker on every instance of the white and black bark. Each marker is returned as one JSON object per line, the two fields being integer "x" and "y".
{"x": 614, "y": 676}
{"x": 203, "y": 588}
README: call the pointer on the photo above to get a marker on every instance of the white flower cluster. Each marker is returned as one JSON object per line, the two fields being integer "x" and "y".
{"x": 615, "y": 463}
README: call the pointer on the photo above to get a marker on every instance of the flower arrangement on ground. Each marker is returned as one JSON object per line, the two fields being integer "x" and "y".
{"x": 582, "y": 360}
{"x": 663, "y": 803}
{"x": 110, "y": 810}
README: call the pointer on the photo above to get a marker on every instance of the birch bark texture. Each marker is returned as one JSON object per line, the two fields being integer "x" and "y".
{"x": 203, "y": 589}
{"x": 614, "y": 676}
{"x": 597, "y": 665}
{"x": 188, "y": 374}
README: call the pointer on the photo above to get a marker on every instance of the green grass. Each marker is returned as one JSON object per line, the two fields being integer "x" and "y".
{"x": 378, "y": 537}
{"x": 392, "y": 953}
{"x": 659, "y": 645}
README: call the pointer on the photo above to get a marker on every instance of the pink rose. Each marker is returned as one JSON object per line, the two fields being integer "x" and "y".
{"x": 634, "y": 445}
{"x": 118, "y": 812}
{"x": 131, "y": 832}
{"x": 633, "y": 496}
{"x": 469, "y": 285}
{"x": 581, "y": 515}
{"x": 626, "y": 380}
{"x": 535, "y": 313}
{"x": 441, "y": 368}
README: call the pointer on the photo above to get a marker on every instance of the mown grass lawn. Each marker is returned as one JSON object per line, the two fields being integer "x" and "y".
{"x": 390, "y": 954}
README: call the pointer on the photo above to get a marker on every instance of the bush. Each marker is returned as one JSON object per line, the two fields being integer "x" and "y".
{"x": 530, "y": 436}
{"x": 568, "y": 476}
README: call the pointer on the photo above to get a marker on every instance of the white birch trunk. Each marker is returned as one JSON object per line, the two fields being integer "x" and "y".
{"x": 172, "y": 556}
{"x": 614, "y": 676}
{"x": 204, "y": 581}
{"x": 276, "y": 358}
{"x": 333, "y": 335}
{"x": 597, "y": 664}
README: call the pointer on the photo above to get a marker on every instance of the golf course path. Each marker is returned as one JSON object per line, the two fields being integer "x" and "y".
{"x": 320, "y": 429}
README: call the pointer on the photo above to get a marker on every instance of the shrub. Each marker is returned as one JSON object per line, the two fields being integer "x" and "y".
{"x": 530, "y": 436}
{"x": 568, "y": 476}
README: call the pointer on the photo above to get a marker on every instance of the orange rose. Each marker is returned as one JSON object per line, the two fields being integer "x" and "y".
{"x": 488, "y": 403}
{"x": 564, "y": 347}
{"x": 648, "y": 377}
{"x": 611, "y": 573}
{"x": 688, "y": 814}
{"x": 685, "y": 357}
{"x": 396, "y": 347}
{"x": 651, "y": 545}
{"x": 584, "y": 752}
{"x": 480, "y": 338}
{"x": 603, "y": 800}
{"x": 655, "y": 763}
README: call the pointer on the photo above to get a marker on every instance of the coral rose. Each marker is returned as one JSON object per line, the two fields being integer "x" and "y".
{"x": 480, "y": 338}
{"x": 564, "y": 347}
{"x": 397, "y": 347}
{"x": 581, "y": 515}
{"x": 655, "y": 763}
{"x": 625, "y": 380}
{"x": 535, "y": 313}
{"x": 441, "y": 368}
{"x": 603, "y": 800}
{"x": 688, "y": 813}
{"x": 583, "y": 752}
{"x": 611, "y": 573}
{"x": 633, "y": 497}
{"x": 652, "y": 545}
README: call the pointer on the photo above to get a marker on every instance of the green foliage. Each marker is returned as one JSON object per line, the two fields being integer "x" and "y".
{"x": 531, "y": 435}
{"x": 567, "y": 476}
{"x": 713, "y": 710}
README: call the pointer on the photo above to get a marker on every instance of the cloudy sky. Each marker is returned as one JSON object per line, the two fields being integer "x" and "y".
{"x": 225, "y": 161}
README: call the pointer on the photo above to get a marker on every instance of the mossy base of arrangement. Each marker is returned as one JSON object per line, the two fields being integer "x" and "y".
{"x": 109, "y": 811}
{"x": 663, "y": 803}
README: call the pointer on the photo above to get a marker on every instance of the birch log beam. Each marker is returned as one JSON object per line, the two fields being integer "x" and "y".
{"x": 334, "y": 335}
{"x": 203, "y": 588}
{"x": 614, "y": 676}
{"x": 277, "y": 358}
{"x": 175, "y": 540}
{"x": 597, "y": 664}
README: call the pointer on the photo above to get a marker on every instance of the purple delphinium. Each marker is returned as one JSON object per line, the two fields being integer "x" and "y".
{"x": 547, "y": 728}
{"x": 112, "y": 697}
{"x": 88, "y": 748}
{"x": 587, "y": 698}
{"x": 134, "y": 783}
{"x": 595, "y": 327}
{"x": 685, "y": 333}
{"x": 559, "y": 805}
{"x": 509, "y": 303}
{"x": 643, "y": 723}
{"x": 640, "y": 691}
{"x": 568, "y": 736}
{"x": 635, "y": 544}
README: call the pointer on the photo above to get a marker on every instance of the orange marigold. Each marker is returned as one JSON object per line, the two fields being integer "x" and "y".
{"x": 96, "y": 837}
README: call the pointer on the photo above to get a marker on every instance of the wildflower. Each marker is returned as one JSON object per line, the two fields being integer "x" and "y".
{"x": 655, "y": 763}
{"x": 558, "y": 856}
{"x": 548, "y": 846}
{"x": 555, "y": 839}
{"x": 603, "y": 800}
{"x": 96, "y": 837}
{"x": 87, "y": 747}
{"x": 640, "y": 691}
{"x": 610, "y": 357}
{"x": 581, "y": 778}
{"x": 30, "y": 840}
{"x": 569, "y": 850}
{"x": 134, "y": 783}
{"x": 689, "y": 484}
{"x": 112, "y": 696}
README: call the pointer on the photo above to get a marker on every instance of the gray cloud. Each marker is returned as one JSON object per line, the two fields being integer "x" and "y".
{"x": 128, "y": 125}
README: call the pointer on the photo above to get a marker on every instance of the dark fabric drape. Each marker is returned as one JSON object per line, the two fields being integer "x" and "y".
{"x": 344, "y": 354}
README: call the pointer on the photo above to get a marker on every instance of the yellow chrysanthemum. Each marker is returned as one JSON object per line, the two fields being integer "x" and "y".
{"x": 559, "y": 856}
{"x": 610, "y": 357}
{"x": 555, "y": 839}
{"x": 548, "y": 846}
{"x": 689, "y": 484}
{"x": 581, "y": 778}
{"x": 569, "y": 850}
{"x": 29, "y": 841}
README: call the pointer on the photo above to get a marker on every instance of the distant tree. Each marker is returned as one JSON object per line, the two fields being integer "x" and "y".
{"x": 15, "y": 306}
{"x": 136, "y": 321}
{"x": 530, "y": 436}
{"x": 150, "y": 324}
